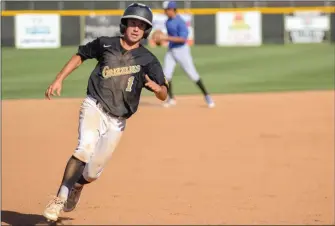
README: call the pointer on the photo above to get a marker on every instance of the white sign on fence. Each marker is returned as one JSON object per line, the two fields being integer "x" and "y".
{"x": 307, "y": 27}
{"x": 37, "y": 31}
{"x": 100, "y": 25}
{"x": 238, "y": 29}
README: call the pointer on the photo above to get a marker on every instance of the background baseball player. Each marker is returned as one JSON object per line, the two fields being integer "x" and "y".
{"x": 179, "y": 52}
{"x": 113, "y": 93}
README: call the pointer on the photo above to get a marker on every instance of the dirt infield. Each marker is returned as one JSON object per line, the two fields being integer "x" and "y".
{"x": 254, "y": 159}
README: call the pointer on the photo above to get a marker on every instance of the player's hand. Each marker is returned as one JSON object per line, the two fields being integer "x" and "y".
{"x": 163, "y": 37}
{"x": 152, "y": 85}
{"x": 56, "y": 86}
{"x": 160, "y": 37}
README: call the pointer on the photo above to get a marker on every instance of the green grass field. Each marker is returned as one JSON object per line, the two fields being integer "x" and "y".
{"x": 27, "y": 73}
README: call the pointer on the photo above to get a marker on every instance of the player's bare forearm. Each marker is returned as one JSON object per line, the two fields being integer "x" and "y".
{"x": 176, "y": 39}
{"x": 162, "y": 94}
{"x": 56, "y": 85}
{"x": 70, "y": 66}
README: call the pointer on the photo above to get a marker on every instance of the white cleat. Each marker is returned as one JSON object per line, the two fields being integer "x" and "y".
{"x": 211, "y": 105}
{"x": 73, "y": 199}
{"x": 209, "y": 101}
{"x": 53, "y": 209}
{"x": 169, "y": 103}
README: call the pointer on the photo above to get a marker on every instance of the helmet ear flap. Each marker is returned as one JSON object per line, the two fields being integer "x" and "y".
{"x": 147, "y": 33}
{"x": 122, "y": 28}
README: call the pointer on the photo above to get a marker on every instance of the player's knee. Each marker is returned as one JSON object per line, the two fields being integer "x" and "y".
{"x": 91, "y": 175}
{"x": 93, "y": 168}
{"x": 81, "y": 155}
{"x": 84, "y": 152}
{"x": 85, "y": 148}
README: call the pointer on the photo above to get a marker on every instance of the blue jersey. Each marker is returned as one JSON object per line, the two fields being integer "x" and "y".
{"x": 176, "y": 27}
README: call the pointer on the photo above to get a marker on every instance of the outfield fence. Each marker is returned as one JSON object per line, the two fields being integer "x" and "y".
{"x": 98, "y": 4}
{"x": 38, "y": 24}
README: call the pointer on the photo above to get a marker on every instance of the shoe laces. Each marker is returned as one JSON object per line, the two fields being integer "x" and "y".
{"x": 56, "y": 203}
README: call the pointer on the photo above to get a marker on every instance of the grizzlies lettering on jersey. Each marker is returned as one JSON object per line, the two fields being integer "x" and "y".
{"x": 119, "y": 76}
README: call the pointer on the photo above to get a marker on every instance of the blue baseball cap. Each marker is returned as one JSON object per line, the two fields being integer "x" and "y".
{"x": 169, "y": 5}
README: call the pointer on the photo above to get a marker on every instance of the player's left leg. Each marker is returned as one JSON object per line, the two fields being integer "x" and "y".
{"x": 184, "y": 58}
{"x": 168, "y": 68}
{"x": 103, "y": 152}
{"x": 90, "y": 123}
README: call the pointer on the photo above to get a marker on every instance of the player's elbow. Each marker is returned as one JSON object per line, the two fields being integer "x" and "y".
{"x": 77, "y": 60}
{"x": 183, "y": 36}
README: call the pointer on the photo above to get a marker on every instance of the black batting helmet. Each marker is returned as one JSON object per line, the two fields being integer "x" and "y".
{"x": 137, "y": 11}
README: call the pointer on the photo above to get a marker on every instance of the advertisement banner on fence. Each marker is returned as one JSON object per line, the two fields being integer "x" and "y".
{"x": 158, "y": 23}
{"x": 238, "y": 29}
{"x": 96, "y": 26}
{"x": 37, "y": 31}
{"x": 307, "y": 27}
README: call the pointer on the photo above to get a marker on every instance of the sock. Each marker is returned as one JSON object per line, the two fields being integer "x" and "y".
{"x": 170, "y": 90}
{"x": 63, "y": 192}
{"x": 202, "y": 87}
{"x": 72, "y": 173}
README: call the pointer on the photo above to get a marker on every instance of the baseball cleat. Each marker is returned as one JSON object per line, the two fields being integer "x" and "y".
{"x": 73, "y": 199}
{"x": 209, "y": 101}
{"x": 170, "y": 102}
{"x": 54, "y": 208}
{"x": 211, "y": 105}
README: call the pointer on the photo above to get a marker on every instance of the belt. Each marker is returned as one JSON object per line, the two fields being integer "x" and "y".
{"x": 99, "y": 105}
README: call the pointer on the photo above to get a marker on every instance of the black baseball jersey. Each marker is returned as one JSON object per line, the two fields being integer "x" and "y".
{"x": 119, "y": 76}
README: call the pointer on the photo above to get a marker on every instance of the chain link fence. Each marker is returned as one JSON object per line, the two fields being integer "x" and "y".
{"x": 99, "y": 5}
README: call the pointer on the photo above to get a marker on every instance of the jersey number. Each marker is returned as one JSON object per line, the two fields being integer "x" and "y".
{"x": 130, "y": 83}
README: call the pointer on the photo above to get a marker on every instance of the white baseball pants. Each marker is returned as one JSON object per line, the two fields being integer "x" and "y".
{"x": 182, "y": 56}
{"x": 99, "y": 134}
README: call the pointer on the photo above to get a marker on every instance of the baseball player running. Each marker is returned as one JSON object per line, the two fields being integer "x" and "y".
{"x": 179, "y": 52}
{"x": 123, "y": 68}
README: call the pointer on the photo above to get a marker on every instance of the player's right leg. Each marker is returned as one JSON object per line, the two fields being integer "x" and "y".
{"x": 110, "y": 136}
{"x": 184, "y": 58}
{"x": 168, "y": 68}
{"x": 89, "y": 126}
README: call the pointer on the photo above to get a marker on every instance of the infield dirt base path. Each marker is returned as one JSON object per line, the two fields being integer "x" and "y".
{"x": 254, "y": 159}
